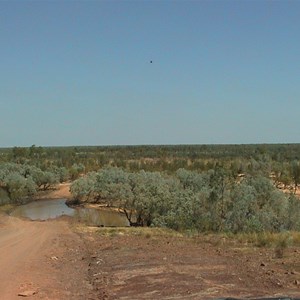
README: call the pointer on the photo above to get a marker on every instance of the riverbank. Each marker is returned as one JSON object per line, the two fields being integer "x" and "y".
{"x": 60, "y": 191}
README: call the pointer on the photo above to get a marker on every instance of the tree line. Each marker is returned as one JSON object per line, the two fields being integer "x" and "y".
{"x": 278, "y": 160}
{"x": 213, "y": 200}
{"x": 20, "y": 182}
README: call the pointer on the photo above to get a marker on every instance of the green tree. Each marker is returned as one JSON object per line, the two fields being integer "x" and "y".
{"x": 241, "y": 214}
{"x": 82, "y": 189}
{"x": 19, "y": 187}
{"x": 295, "y": 173}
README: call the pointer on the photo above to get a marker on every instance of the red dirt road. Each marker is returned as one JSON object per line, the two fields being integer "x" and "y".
{"x": 45, "y": 258}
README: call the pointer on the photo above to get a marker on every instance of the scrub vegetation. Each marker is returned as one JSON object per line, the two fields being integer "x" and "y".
{"x": 213, "y": 200}
{"x": 218, "y": 188}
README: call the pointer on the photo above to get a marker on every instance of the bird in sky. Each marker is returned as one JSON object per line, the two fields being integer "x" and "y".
{"x": 151, "y": 61}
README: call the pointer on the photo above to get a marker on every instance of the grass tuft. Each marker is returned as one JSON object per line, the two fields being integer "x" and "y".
{"x": 6, "y": 208}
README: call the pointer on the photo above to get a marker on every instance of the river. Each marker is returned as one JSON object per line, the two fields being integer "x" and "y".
{"x": 42, "y": 210}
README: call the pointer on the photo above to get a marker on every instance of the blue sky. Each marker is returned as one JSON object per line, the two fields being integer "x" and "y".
{"x": 79, "y": 72}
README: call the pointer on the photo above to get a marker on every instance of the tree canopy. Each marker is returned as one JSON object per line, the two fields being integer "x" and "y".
{"x": 206, "y": 201}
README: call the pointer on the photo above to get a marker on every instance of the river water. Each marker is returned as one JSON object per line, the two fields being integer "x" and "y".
{"x": 51, "y": 209}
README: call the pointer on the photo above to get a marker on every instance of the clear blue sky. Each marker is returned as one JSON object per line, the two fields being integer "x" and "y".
{"x": 79, "y": 72}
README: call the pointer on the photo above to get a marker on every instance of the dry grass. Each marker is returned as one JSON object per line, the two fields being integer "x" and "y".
{"x": 147, "y": 232}
{"x": 137, "y": 231}
{"x": 277, "y": 241}
{"x": 6, "y": 208}
{"x": 242, "y": 241}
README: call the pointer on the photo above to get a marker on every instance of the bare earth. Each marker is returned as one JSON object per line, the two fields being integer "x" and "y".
{"x": 151, "y": 266}
{"x": 41, "y": 257}
{"x": 62, "y": 191}
{"x": 46, "y": 259}
{"x": 60, "y": 260}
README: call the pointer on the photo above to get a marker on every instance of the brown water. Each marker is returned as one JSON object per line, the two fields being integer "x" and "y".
{"x": 51, "y": 209}
{"x": 43, "y": 210}
{"x": 98, "y": 217}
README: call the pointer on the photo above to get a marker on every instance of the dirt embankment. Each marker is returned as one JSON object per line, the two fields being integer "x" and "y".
{"x": 62, "y": 190}
{"x": 147, "y": 265}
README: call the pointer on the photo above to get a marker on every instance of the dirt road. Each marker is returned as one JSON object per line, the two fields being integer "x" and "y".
{"x": 42, "y": 258}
